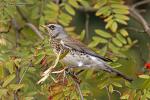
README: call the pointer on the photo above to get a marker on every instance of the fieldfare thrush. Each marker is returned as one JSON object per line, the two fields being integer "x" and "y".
{"x": 77, "y": 55}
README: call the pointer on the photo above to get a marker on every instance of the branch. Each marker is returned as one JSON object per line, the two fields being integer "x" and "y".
{"x": 29, "y": 24}
{"x": 135, "y": 14}
{"x": 35, "y": 30}
{"x": 140, "y": 3}
{"x": 87, "y": 26}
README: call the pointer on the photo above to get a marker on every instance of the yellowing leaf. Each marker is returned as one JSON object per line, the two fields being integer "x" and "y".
{"x": 114, "y": 27}
{"x": 144, "y": 76}
{"x": 121, "y": 11}
{"x": 109, "y": 24}
{"x": 117, "y": 84}
{"x": 124, "y": 32}
{"x": 110, "y": 88}
{"x": 121, "y": 21}
{"x": 119, "y": 6}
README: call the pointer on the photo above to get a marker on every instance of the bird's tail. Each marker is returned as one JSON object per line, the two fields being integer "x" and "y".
{"x": 111, "y": 70}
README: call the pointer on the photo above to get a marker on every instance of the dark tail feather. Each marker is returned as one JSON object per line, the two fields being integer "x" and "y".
{"x": 111, "y": 70}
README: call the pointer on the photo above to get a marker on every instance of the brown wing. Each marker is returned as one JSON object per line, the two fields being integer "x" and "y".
{"x": 77, "y": 45}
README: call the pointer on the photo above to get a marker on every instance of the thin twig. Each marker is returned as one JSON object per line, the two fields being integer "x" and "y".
{"x": 135, "y": 14}
{"x": 109, "y": 97}
{"x": 87, "y": 26}
{"x": 78, "y": 89}
{"x": 35, "y": 30}
{"x": 28, "y": 23}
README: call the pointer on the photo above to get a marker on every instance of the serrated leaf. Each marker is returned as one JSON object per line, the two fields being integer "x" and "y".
{"x": 109, "y": 18}
{"x": 117, "y": 42}
{"x": 93, "y": 44}
{"x": 113, "y": 48}
{"x": 120, "y": 11}
{"x": 1, "y": 71}
{"x": 103, "y": 84}
{"x": 3, "y": 92}
{"x": 73, "y": 3}
{"x": 119, "y": 6}
{"x": 10, "y": 66}
{"x": 103, "y": 33}
{"x": 124, "y": 32}
{"x": 102, "y": 10}
{"x": 144, "y": 76}
{"x": 101, "y": 40}
{"x": 109, "y": 24}
{"x": 120, "y": 16}
{"x": 117, "y": 84}
{"x": 8, "y": 79}
{"x": 15, "y": 87}
{"x": 114, "y": 27}
{"x": 121, "y": 38}
{"x": 69, "y": 9}
{"x": 121, "y": 21}
{"x": 126, "y": 96}
{"x": 82, "y": 35}
{"x": 100, "y": 4}
{"x": 53, "y": 6}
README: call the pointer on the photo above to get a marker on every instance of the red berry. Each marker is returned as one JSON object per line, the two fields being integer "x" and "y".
{"x": 147, "y": 65}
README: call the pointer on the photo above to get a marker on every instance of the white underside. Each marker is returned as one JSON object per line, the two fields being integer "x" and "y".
{"x": 83, "y": 61}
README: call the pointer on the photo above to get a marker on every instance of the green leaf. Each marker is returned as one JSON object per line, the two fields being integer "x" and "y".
{"x": 15, "y": 87}
{"x": 117, "y": 42}
{"x": 113, "y": 48}
{"x": 8, "y": 79}
{"x": 93, "y": 44}
{"x": 73, "y": 3}
{"x": 1, "y": 71}
{"x": 121, "y": 38}
{"x": 121, "y": 11}
{"x": 103, "y": 84}
{"x": 3, "y": 92}
{"x": 110, "y": 88}
{"x": 119, "y": 6}
{"x": 82, "y": 35}
{"x": 123, "y": 17}
{"x": 100, "y": 4}
{"x": 10, "y": 66}
{"x": 126, "y": 96}
{"x": 117, "y": 84}
{"x": 121, "y": 21}
{"x": 102, "y": 10}
{"x": 109, "y": 24}
{"x": 101, "y": 40}
{"x": 103, "y": 33}
{"x": 69, "y": 9}
{"x": 124, "y": 32}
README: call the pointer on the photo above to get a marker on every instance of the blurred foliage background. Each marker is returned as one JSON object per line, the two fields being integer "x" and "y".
{"x": 117, "y": 29}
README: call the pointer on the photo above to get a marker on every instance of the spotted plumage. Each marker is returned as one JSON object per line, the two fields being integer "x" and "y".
{"x": 77, "y": 54}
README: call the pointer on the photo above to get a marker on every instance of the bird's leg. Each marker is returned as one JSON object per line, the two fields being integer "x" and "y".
{"x": 48, "y": 71}
{"x": 52, "y": 67}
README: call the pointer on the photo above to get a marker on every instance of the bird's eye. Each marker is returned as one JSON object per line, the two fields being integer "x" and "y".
{"x": 52, "y": 27}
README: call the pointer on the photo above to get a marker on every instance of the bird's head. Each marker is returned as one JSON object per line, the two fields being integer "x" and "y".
{"x": 55, "y": 31}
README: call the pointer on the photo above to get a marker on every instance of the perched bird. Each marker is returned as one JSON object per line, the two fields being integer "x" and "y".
{"x": 76, "y": 54}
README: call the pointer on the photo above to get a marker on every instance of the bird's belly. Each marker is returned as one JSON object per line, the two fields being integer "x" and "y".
{"x": 77, "y": 59}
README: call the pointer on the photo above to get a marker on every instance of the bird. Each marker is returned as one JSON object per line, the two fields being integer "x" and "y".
{"x": 76, "y": 54}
